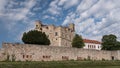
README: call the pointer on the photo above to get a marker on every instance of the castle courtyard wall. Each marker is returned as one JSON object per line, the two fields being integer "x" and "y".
{"x": 25, "y": 52}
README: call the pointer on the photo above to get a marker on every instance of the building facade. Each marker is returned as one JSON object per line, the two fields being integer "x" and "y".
{"x": 58, "y": 35}
{"x": 92, "y": 44}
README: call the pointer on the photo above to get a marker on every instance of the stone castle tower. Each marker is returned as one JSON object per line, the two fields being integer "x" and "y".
{"x": 58, "y": 35}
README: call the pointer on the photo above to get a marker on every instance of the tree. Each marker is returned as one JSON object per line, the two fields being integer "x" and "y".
{"x": 35, "y": 37}
{"x": 109, "y": 42}
{"x": 77, "y": 41}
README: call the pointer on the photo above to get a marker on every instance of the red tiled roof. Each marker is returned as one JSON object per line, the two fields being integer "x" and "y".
{"x": 91, "y": 41}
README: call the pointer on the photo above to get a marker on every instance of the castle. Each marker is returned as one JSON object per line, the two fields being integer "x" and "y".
{"x": 59, "y": 49}
{"x": 62, "y": 36}
{"x": 59, "y": 36}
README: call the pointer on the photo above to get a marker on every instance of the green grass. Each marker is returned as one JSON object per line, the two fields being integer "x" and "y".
{"x": 62, "y": 64}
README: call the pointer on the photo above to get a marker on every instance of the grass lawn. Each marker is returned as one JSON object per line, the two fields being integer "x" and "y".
{"x": 62, "y": 64}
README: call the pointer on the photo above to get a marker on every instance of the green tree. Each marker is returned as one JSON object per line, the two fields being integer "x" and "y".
{"x": 109, "y": 42}
{"x": 35, "y": 37}
{"x": 77, "y": 41}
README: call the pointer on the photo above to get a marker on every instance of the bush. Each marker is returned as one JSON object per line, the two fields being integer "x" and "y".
{"x": 77, "y": 41}
{"x": 35, "y": 37}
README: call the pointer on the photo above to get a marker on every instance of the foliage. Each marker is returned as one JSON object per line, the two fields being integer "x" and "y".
{"x": 35, "y": 37}
{"x": 77, "y": 41}
{"x": 109, "y": 42}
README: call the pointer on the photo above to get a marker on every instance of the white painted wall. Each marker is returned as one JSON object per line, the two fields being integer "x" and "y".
{"x": 92, "y": 46}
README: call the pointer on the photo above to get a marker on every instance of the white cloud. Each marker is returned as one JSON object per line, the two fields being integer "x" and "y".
{"x": 88, "y": 13}
{"x": 49, "y": 17}
{"x": 68, "y": 3}
{"x": 2, "y": 5}
{"x": 11, "y": 15}
{"x": 15, "y": 14}
{"x": 71, "y": 3}
{"x": 53, "y": 8}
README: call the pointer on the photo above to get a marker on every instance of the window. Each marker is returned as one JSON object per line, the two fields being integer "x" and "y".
{"x": 46, "y": 27}
{"x": 27, "y": 56}
{"x": 112, "y": 57}
{"x": 36, "y": 25}
{"x": 94, "y": 46}
{"x": 56, "y": 33}
{"x": 23, "y": 56}
{"x": 40, "y": 28}
{"x": 65, "y": 57}
{"x": 45, "y": 57}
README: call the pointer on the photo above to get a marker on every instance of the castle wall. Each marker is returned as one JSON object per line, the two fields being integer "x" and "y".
{"x": 2, "y": 55}
{"x": 25, "y": 52}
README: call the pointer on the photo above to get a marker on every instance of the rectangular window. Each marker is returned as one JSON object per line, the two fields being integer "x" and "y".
{"x": 23, "y": 56}
{"x": 65, "y": 58}
{"x": 56, "y": 34}
{"x": 46, "y": 27}
{"x": 46, "y": 57}
{"x": 27, "y": 56}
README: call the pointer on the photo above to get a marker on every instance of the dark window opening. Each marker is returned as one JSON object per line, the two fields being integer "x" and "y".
{"x": 40, "y": 28}
{"x": 56, "y": 33}
{"x": 46, "y": 57}
{"x": 23, "y": 56}
{"x": 36, "y": 25}
{"x": 27, "y": 56}
{"x": 65, "y": 58}
{"x": 46, "y": 27}
{"x": 112, "y": 57}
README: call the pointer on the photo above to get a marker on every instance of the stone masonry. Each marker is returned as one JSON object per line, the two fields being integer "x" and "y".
{"x": 25, "y": 52}
{"x": 58, "y": 35}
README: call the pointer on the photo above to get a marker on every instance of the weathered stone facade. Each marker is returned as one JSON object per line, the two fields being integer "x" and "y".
{"x": 58, "y": 35}
{"x": 25, "y": 52}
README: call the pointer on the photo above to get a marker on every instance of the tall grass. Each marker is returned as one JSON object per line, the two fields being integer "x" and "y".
{"x": 62, "y": 64}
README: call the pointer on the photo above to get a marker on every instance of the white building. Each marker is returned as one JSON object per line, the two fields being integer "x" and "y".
{"x": 92, "y": 44}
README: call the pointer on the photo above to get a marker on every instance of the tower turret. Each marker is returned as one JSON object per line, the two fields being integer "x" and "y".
{"x": 38, "y": 25}
{"x": 72, "y": 26}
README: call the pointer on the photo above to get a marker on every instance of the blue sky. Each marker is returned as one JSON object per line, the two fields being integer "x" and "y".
{"x": 92, "y": 18}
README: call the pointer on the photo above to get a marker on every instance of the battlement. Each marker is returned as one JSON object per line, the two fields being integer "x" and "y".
{"x": 40, "y": 25}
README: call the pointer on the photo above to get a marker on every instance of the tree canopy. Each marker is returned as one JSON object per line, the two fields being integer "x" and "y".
{"x": 109, "y": 42}
{"x": 77, "y": 41}
{"x": 35, "y": 37}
